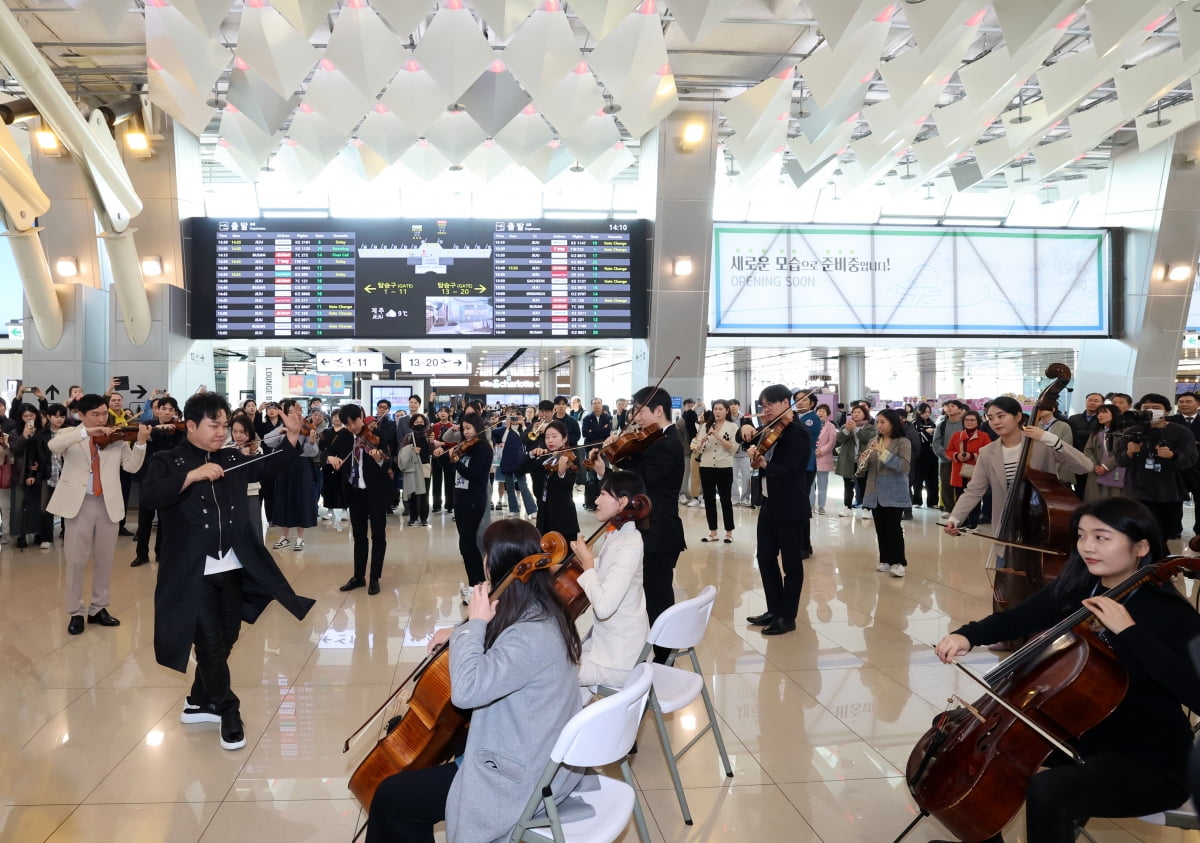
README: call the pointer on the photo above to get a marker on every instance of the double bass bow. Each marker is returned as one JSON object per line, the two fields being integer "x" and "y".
{"x": 971, "y": 771}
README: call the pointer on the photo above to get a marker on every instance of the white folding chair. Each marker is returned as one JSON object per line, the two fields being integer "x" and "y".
{"x": 679, "y": 629}
{"x": 601, "y": 733}
{"x": 1182, "y": 817}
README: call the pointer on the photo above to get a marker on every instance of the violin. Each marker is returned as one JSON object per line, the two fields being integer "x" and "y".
{"x": 432, "y": 731}
{"x": 971, "y": 770}
{"x": 551, "y": 463}
{"x": 630, "y": 443}
{"x": 129, "y": 432}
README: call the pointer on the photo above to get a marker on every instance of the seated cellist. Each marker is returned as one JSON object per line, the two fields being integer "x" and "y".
{"x": 1135, "y": 761}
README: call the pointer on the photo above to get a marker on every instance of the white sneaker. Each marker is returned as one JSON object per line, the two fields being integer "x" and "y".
{"x": 820, "y": 510}
{"x": 327, "y": 515}
{"x": 898, "y": 570}
{"x": 299, "y": 545}
{"x": 846, "y": 513}
{"x": 866, "y": 514}
{"x": 46, "y": 545}
{"x": 693, "y": 502}
{"x": 683, "y": 498}
{"x": 883, "y": 567}
{"x": 465, "y": 594}
{"x": 283, "y": 542}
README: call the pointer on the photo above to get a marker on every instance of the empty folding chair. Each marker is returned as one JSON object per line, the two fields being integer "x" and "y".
{"x": 601, "y": 733}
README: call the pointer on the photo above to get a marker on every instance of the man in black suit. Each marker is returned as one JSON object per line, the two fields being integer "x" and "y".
{"x": 1081, "y": 428}
{"x": 597, "y": 427}
{"x": 661, "y": 468}
{"x": 784, "y": 512}
{"x": 561, "y": 405}
{"x": 362, "y": 467}
{"x": 1189, "y": 417}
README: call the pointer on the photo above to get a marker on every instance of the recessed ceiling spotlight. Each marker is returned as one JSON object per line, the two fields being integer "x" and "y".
{"x": 454, "y": 168}
{"x": 456, "y": 108}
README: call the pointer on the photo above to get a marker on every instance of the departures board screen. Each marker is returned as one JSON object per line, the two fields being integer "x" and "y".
{"x": 416, "y": 278}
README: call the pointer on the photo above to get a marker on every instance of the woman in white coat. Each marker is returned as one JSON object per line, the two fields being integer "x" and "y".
{"x": 612, "y": 582}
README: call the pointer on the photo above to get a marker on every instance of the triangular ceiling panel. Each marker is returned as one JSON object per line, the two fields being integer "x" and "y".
{"x": 453, "y": 51}
{"x": 634, "y": 52}
{"x": 362, "y": 161}
{"x": 494, "y": 99}
{"x": 403, "y": 16}
{"x": 205, "y": 15}
{"x": 273, "y": 48}
{"x": 415, "y": 97}
{"x": 424, "y": 160}
{"x": 337, "y": 99}
{"x": 504, "y": 16}
{"x": 843, "y": 18}
{"x": 757, "y": 112}
{"x": 614, "y": 161}
{"x": 646, "y": 106}
{"x": 548, "y": 162}
{"x": 592, "y": 138}
{"x": 303, "y": 15}
{"x": 524, "y": 135}
{"x": 250, "y": 94}
{"x": 364, "y": 49}
{"x": 186, "y": 106}
{"x": 488, "y": 161}
{"x": 574, "y": 99}
{"x": 455, "y": 135}
{"x": 697, "y": 17}
{"x": 176, "y": 46}
{"x": 601, "y": 17}
{"x": 387, "y": 134}
{"x": 317, "y": 136}
{"x": 542, "y": 52}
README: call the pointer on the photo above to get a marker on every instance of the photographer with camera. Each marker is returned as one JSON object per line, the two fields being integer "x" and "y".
{"x": 1156, "y": 454}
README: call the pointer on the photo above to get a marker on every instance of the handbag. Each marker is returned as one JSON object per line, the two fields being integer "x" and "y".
{"x": 6, "y": 475}
{"x": 427, "y": 469}
{"x": 967, "y": 470}
{"x": 1113, "y": 478}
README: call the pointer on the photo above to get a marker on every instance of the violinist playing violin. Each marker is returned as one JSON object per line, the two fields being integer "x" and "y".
{"x": 661, "y": 467}
{"x": 1135, "y": 760}
{"x": 471, "y": 461}
{"x": 556, "y": 510}
{"x": 784, "y": 511}
{"x": 88, "y": 497}
{"x": 360, "y": 465}
{"x": 535, "y": 438}
{"x": 612, "y": 581}
{"x": 514, "y": 664}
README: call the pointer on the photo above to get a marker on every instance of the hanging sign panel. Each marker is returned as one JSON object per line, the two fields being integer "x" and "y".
{"x": 920, "y": 281}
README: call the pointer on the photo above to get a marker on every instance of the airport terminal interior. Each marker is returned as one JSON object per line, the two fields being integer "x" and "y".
{"x": 894, "y": 201}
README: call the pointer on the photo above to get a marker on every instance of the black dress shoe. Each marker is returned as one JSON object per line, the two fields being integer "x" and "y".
{"x": 760, "y": 620}
{"x": 139, "y": 562}
{"x": 123, "y": 532}
{"x": 103, "y": 618}
{"x": 75, "y": 627}
{"x": 352, "y": 583}
{"x": 778, "y": 627}
{"x": 373, "y": 588}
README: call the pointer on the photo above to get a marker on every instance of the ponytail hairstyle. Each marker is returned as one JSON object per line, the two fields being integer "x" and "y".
{"x": 625, "y": 484}
{"x": 505, "y": 543}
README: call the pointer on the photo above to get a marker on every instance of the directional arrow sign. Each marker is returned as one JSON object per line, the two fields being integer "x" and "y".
{"x": 351, "y": 361}
{"x": 52, "y": 392}
{"x": 139, "y": 391}
{"x": 370, "y": 288}
{"x": 416, "y": 363}
{"x": 480, "y": 288}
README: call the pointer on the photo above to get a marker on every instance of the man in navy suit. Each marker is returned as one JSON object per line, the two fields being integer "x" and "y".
{"x": 1189, "y": 417}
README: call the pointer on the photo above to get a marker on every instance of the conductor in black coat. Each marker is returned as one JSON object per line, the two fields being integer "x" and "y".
{"x": 218, "y": 572}
{"x": 661, "y": 468}
{"x": 784, "y": 509}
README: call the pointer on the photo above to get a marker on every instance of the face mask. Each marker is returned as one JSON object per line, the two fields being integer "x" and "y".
{"x": 1157, "y": 415}
{"x": 417, "y": 428}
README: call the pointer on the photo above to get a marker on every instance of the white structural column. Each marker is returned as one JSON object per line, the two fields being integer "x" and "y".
{"x": 1154, "y": 198}
{"x": 583, "y": 379}
{"x": 852, "y": 374}
{"x": 682, "y": 216}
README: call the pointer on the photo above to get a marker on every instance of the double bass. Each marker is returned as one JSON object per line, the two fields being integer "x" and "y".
{"x": 433, "y": 730}
{"x": 1036, "y": 524}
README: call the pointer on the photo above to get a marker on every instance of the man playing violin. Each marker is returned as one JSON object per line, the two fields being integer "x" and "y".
{"x": 361, "y": 465}
{"x": 660, "y": 466}
{"x": 88, "y": 497}
{"x": 781, "y": 457}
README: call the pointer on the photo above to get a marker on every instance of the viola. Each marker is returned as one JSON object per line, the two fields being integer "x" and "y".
{"x": 551, "y": 463}
{"x": 129, "y": 432}
{"x": 971, "y": 770}
{"x": 432, "y": 731}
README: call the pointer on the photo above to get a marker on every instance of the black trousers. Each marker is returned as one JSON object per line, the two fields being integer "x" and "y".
{"x": 368, "y": 509}
{"x": 467, "y": 517}
{"x": 442, "y": 477}
{"x": 418, "y": 508}
{"x": 658, "y": 584}
{"x": 591, "y": 488}
{"x": 217, "y": 628}
{"x": 142, "y": 536}
{"x": 889, "y": 535}
{"x": 781, "y": 542}
{"x": 714, "y": 482}
{"x": 408, "y": 805}
{"x": 1169, "y": 515}
{"x": 1191, "y": 479}
{"x": 927, "y": 477}
{"x": 852, "y": 490}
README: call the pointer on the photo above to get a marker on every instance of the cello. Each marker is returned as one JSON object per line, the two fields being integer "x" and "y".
{"x": 971, "y": 771}
{"x": 433, "y": 730}
{"x": 1036, "y": 524}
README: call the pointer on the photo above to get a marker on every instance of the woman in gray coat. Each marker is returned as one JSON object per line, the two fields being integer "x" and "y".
{"x": 853, "y": 438}
{"x": 513, "y": 664}
{"x": 887, "y": 493}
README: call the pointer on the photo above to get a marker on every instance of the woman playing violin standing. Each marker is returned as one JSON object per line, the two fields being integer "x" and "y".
{"x": 556, "y": 511}
{"x": 612, "y": 581}
{"x": 471, "y": 461}
{"x": 781, "y": 458}
{"x": 660, "y": 464}
{"x": 1135, "y": 761}
{"x": 514, "y": 664}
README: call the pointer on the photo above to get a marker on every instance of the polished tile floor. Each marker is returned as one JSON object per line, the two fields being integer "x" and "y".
{"x": 818, "y": 723}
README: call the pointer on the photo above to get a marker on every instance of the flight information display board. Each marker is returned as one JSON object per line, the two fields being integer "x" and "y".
{"x": 412, "y": 279}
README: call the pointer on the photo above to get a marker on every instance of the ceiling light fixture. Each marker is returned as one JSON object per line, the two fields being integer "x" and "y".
{"x": 1179, "y": 272}
{"x": 1159, "y": 122}
{"x": 610, "y": 107}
